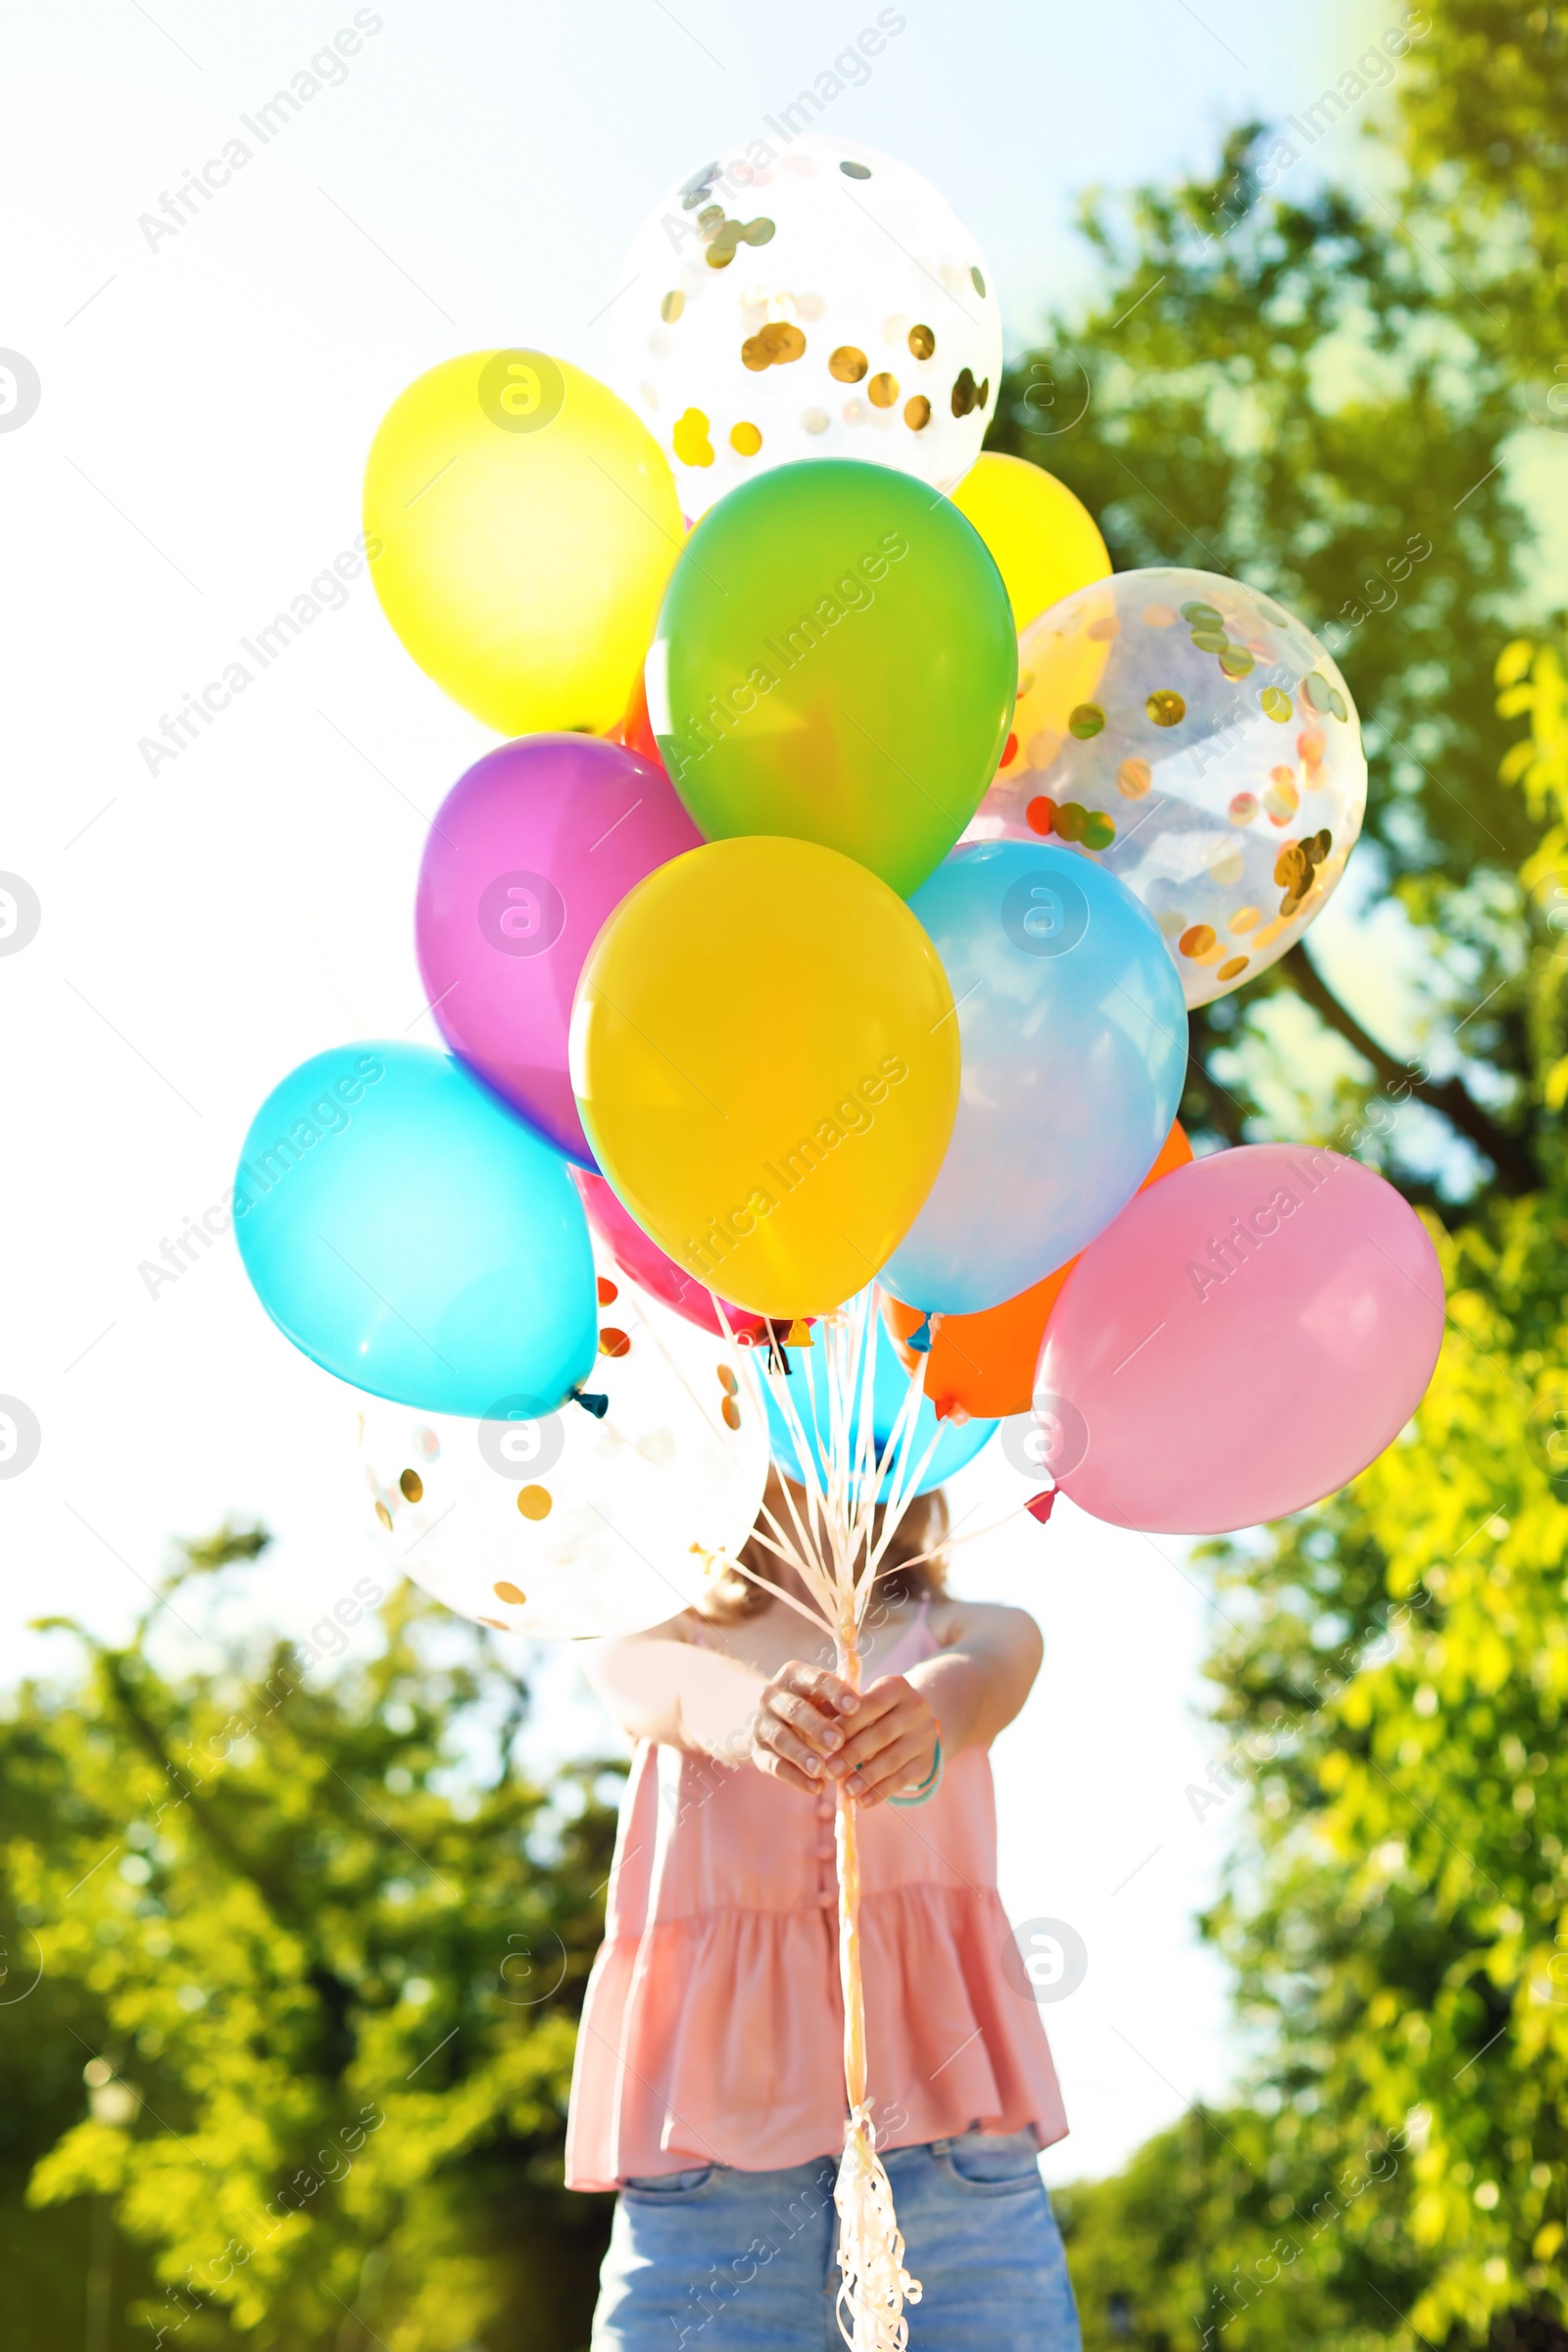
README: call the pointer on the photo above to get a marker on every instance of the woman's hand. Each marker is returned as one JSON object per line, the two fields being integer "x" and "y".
{"x": 811, "y": 1728}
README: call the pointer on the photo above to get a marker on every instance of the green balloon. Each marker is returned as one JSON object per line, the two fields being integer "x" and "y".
{"x": 835, "y": 661}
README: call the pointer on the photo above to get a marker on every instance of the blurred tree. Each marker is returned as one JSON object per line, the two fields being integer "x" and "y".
{"x": 1231, "y": 2212}
{"x": 320, "y": 1948}
{"x": 1299, "y": 386}
{"x": 1486, "y": 118}
{"x": 67, "y": 2272}
{"x": 1288, "y": 398}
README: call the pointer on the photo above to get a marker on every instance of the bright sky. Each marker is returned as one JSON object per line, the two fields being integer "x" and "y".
{"x": 193, "y": 463}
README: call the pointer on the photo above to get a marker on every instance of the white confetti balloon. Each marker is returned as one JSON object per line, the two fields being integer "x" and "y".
{"x": 1197, "y": 740}
{"x": 567, "y": 1527}
{"x": 806, "y": 297}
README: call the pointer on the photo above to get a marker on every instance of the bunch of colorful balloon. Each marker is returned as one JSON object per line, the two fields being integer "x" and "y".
{"x": 828, "y": 920}
{"x": 822, "y": 936}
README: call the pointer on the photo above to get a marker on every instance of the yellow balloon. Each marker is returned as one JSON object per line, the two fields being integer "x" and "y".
{"x": 527, "y": 523}
{"x": 1044, "y": 540}
{"x": 766, "y": 1062}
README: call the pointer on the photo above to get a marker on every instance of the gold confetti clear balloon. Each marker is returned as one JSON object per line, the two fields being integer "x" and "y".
{"x": 1193, "y": 737}
{"x": 806, "y": 297}
{"x": 567, "y": 1526}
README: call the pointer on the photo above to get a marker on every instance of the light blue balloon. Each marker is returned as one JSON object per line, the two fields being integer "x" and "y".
{"x": 408, "y": 1232}
{"x": 1075, "y": 1035}
{"x": 960, "y": 1441}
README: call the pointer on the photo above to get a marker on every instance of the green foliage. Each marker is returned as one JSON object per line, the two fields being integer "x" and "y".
{"x": 1280, "y": 390}
{"x": 1298, "y": 387}
{"x": 323, "y": 1948}
{"x": 1485, "y": 113}
{"x": 1273, "y": 2233}
{"x": 1395, "y": 1688}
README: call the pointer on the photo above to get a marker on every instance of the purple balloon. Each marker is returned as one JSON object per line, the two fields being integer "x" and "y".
{"x": 529, "y": 854}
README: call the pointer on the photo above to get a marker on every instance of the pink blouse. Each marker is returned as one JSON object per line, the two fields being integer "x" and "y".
{"x": 713, "y": 2022}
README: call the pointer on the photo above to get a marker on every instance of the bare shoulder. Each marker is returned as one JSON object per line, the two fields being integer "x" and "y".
{"x": 989, "y": 1625}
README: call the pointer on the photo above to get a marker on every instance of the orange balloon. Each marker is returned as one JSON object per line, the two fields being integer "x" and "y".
{"x": 635, "y": 730}
{"x": 983, "y": 1366}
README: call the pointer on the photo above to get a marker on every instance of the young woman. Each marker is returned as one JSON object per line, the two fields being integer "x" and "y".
{"x": 708, "y": 2088}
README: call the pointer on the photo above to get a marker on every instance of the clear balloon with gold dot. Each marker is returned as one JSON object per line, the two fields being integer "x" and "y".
{"x": 571, "y": 1525}
{"x": 1195, "y": 739}
{"x": 805, "y": 296}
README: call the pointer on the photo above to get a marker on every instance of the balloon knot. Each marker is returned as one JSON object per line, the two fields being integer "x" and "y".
{"x": 919, "y": 1340}
{"x": 599, "y": 1406}
{"x": 1040, "y": 1506}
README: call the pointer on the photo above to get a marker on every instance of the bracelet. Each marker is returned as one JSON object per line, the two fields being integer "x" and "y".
{"x": 930, "y": 1786}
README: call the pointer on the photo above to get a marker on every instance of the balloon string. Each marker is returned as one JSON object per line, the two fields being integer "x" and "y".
{"x": 820, "y": 1544}
{"x": 836, "y": 1558}
{"x": 873, "y": 2283}
{"x": 778, "y": 1540}
{"x": 848, "y": 1859}
{"x": 754, "y": 1576}
{"x": 816, "y": 1578}
{"x": 954, "y": 1541}
{"x": 782, "y": 1548}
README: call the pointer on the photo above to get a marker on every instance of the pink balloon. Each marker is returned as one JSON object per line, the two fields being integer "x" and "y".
{"x": 529, "y": 853}
{"x": 647, "y": 1265}
{"x": 1244, "y": 1339}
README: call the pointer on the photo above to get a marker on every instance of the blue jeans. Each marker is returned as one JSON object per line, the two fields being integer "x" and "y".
{"x": 720, "y": 2261}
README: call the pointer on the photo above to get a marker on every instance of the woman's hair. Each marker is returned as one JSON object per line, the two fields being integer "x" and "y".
{"x": 923, "y": 1528}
